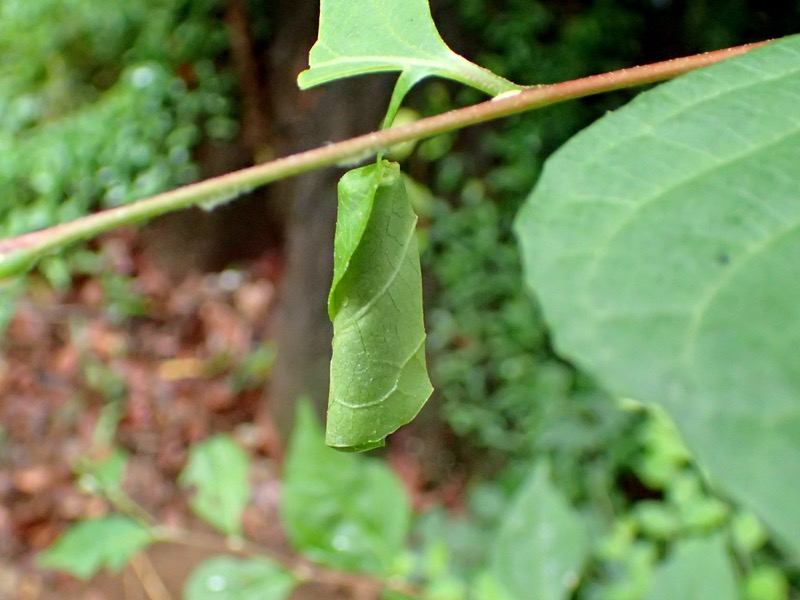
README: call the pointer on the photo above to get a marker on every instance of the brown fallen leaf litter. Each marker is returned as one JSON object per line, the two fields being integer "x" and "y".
{"x": 66, "y": 356}
{"x": 173, "y": 363}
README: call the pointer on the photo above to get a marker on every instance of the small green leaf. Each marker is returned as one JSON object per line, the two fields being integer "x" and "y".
{"x": 542, "y": 544}
{"x": 389, "y": 36}
{"x": 697, "y": 569}
{"x": 106, "y": 472}
{"x": 662, "y": 243}
{"x": 379, "y": 379}
{"x": 218, "y": 469}
{"x": 88, "y": 546}
{"x": 229, "y": 578}
{"x": 342, "y": 510}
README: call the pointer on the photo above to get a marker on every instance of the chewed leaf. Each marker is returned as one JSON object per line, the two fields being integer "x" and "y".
{"x": 392, "y": 36}
{"x": 379, "y": 380}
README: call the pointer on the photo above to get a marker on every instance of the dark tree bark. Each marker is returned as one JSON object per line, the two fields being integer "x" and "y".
{"x": 303, "y": 120}
{"x": 279, "y": 119}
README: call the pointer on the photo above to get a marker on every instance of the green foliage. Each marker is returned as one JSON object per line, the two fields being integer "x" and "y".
{"x": 253, "y": 369}
{"x": 455, "y": 552}
{"x": 218, "y": 470}
{"x": 491, "y": 364}
{"x": 660, "y": 242}
{"x": 83, "y": 167}
{"x": 630, "y": 542}
{"x": 696, "y": 570}
{"x": 344, "y": 511}
{"x": 104, "y": 473}
{"x": 101, "y": 103}
{"x": 542, "y": 543}
{"x": 399, "y": 37}
{"x": 379, "y": 379}
{"x": 98, "y": 115}
{"x": 341, "y": 510}
{"x": 658, "y": 283}
{"x": 93, "y": 544}
{"x": 766, "y": 583}
{"x": 228, "y": 578}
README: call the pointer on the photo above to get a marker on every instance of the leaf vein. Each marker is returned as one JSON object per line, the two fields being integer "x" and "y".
{"x": 391, "y": 390}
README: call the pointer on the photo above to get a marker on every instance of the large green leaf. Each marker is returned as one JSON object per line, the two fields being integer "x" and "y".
{"x": 233, "y": 578}
{"x": 218, "y": 470}
{"x": 379, "y": 380}
{"x": 542, "y": 544}
{"x": 697, "y": 569}
{"x": 664, "y": 245}
{"x": 391, "y": 36}
{"x": 342, "y": 510}
{"x": 93, "y": 544}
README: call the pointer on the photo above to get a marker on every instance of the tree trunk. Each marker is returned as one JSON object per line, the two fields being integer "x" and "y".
{"x": 304, "y": 120}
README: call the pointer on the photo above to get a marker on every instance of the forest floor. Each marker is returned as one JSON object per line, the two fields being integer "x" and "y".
{"x": 175, "y": 368}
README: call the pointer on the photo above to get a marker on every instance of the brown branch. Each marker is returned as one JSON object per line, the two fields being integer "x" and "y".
{"x": 17, "y": 252}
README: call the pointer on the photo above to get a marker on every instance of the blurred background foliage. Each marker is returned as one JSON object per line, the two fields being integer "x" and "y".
{"x": 104, "y": 105}
{"x": 104, "y": 102}
{"x": 499, "y": 381}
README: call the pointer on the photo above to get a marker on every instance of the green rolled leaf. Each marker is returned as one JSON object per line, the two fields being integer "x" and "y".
{"x": 392, "y": 36}
{"x": 379, "y": 379}
{"x": 663, "y": 244}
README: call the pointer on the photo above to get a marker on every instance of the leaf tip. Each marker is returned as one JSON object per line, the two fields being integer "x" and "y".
{"x": 304, "y": 80}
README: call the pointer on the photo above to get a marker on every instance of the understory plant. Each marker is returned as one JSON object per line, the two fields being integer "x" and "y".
{"x": 70, "y": 79}
{"x": 661, "y": 244}
{"x": 349, "y": 522}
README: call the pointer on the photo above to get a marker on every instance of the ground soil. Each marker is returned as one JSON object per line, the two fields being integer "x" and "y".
{"x": 67, "y": 354}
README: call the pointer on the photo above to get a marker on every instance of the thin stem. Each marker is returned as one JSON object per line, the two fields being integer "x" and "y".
{"x": 148, "y": 576}
{"x": 19, "y": 253}
{"x": 478, "y": 77}
{"x": 303, "y": 570}
{"x": 124, "y": 503}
